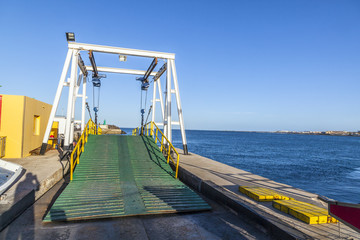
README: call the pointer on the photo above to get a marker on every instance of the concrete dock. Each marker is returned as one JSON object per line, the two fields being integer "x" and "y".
{"x": 234, "y": 215}
{"x": 220, "y": 223}
{"x": 40, "y": 174}
{"x": 221, "y": 182}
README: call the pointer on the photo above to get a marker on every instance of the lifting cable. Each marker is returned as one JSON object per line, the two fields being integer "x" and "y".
{"x": 148, "y": 113}
{"x": 96, "y": 86}
{"x": 88, "y": 108}
{"x": 96, "y": 96}
{"x": 142, "y": 109}
{"x": 144, "y": 87}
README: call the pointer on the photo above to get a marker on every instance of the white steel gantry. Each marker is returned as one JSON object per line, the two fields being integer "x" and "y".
{"x": 77, "y": 78}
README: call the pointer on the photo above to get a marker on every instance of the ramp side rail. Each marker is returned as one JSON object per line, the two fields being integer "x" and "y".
{"x": 90, "y": 128}
{"x": 135, "y": 131}
{"x": 152, "y": 130}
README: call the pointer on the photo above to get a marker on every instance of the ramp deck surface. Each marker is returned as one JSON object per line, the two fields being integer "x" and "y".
{"x": 123, "y": 176}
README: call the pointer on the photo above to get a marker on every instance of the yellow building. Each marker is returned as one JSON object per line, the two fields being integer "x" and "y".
{"x": 23, "y": 122}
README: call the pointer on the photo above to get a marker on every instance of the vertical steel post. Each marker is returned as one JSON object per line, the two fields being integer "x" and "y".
{"x": 73, "y": 75}
{"x": 56, "y": 100}
{"x": 168, "y": 99}
{"x": 161, "y": 99}
{"x": 165, "y": 112}
{"x": 75, "y": 96}
{"x": 153, "y": 102}
{"x": 178, "y": 103}
{"x": 83, "y": 104}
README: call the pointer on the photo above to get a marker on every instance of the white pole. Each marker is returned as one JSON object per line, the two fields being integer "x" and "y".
{"x": 72, "y": 123}
{"x": 168, "y": 98}
{"x": 77, "y": 86}
{"x": 178, "y": 103}
{"x": 73, "y": 75}
{"x": 161, "y": 98}
{"x": 83, "y": 104}
{"x": 154, "y": 102}
{"x": 165, "y": 118}
{"x": 56, "y": 101}
{"x": 75, "y": 96}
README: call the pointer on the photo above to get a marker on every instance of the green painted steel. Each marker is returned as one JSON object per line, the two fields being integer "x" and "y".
{"x": 123, "y": 176}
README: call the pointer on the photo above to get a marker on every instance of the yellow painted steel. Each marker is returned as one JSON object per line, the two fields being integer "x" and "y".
{"x": 135, "y": 131}
{"x": 305, "y": 212}
{"x": 2, "y": 146}
{"x": 90, "y": 128}
{"x": 23, "y": 122}
{"x": 261, "y": 194}
{"x": 54, "y": 134}
{"x": 151, "y": 129}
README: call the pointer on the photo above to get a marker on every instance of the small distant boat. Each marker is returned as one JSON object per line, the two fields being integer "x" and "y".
{"x": 9, "y": 173}
{"x": 347, "y": 213}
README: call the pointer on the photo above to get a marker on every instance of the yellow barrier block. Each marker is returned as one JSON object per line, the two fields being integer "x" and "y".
{"x": 261, "y": 194}
{"x": 305, "y": 212}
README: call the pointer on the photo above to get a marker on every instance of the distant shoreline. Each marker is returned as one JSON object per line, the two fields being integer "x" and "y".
{"x": 328, "y": 133}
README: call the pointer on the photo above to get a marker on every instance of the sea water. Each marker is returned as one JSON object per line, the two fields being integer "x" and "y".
{"x": 321, "y": 164}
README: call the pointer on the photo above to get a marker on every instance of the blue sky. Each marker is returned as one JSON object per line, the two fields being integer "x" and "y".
{"x": 242, "y": 65}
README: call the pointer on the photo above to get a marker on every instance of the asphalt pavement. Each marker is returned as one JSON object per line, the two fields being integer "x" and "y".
{"x": 218, "y": 223}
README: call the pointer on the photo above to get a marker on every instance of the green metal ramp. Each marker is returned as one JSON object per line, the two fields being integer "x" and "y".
{"x": 123, "y": 176}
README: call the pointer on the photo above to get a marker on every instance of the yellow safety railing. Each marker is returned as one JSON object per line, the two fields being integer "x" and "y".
{"x": 90, "y": 128}
{"x": 152, "y": 130}
{"x": 135, "y": 131}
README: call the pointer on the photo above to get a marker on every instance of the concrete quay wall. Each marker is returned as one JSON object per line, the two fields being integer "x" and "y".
{"x": 221, "y": 182}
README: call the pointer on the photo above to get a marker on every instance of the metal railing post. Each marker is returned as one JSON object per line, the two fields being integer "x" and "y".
{"x": 162, "y": 140}
{"x": 177, "y": 166}
{"x": 71, "y": 170}
{"x": 168, "y": 156}
{"x": 77, "y": 155}
{"x": 152, "y": 129}
{"x": 82, "y": 142}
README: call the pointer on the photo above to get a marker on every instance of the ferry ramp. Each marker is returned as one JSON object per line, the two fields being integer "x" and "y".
{"x": 123, "y": 176}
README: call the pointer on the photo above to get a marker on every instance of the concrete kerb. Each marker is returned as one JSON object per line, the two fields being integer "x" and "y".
{"x": 46, "y": 171}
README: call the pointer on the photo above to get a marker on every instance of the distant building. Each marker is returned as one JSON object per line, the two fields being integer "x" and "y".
{"x": 337, "y": 132}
